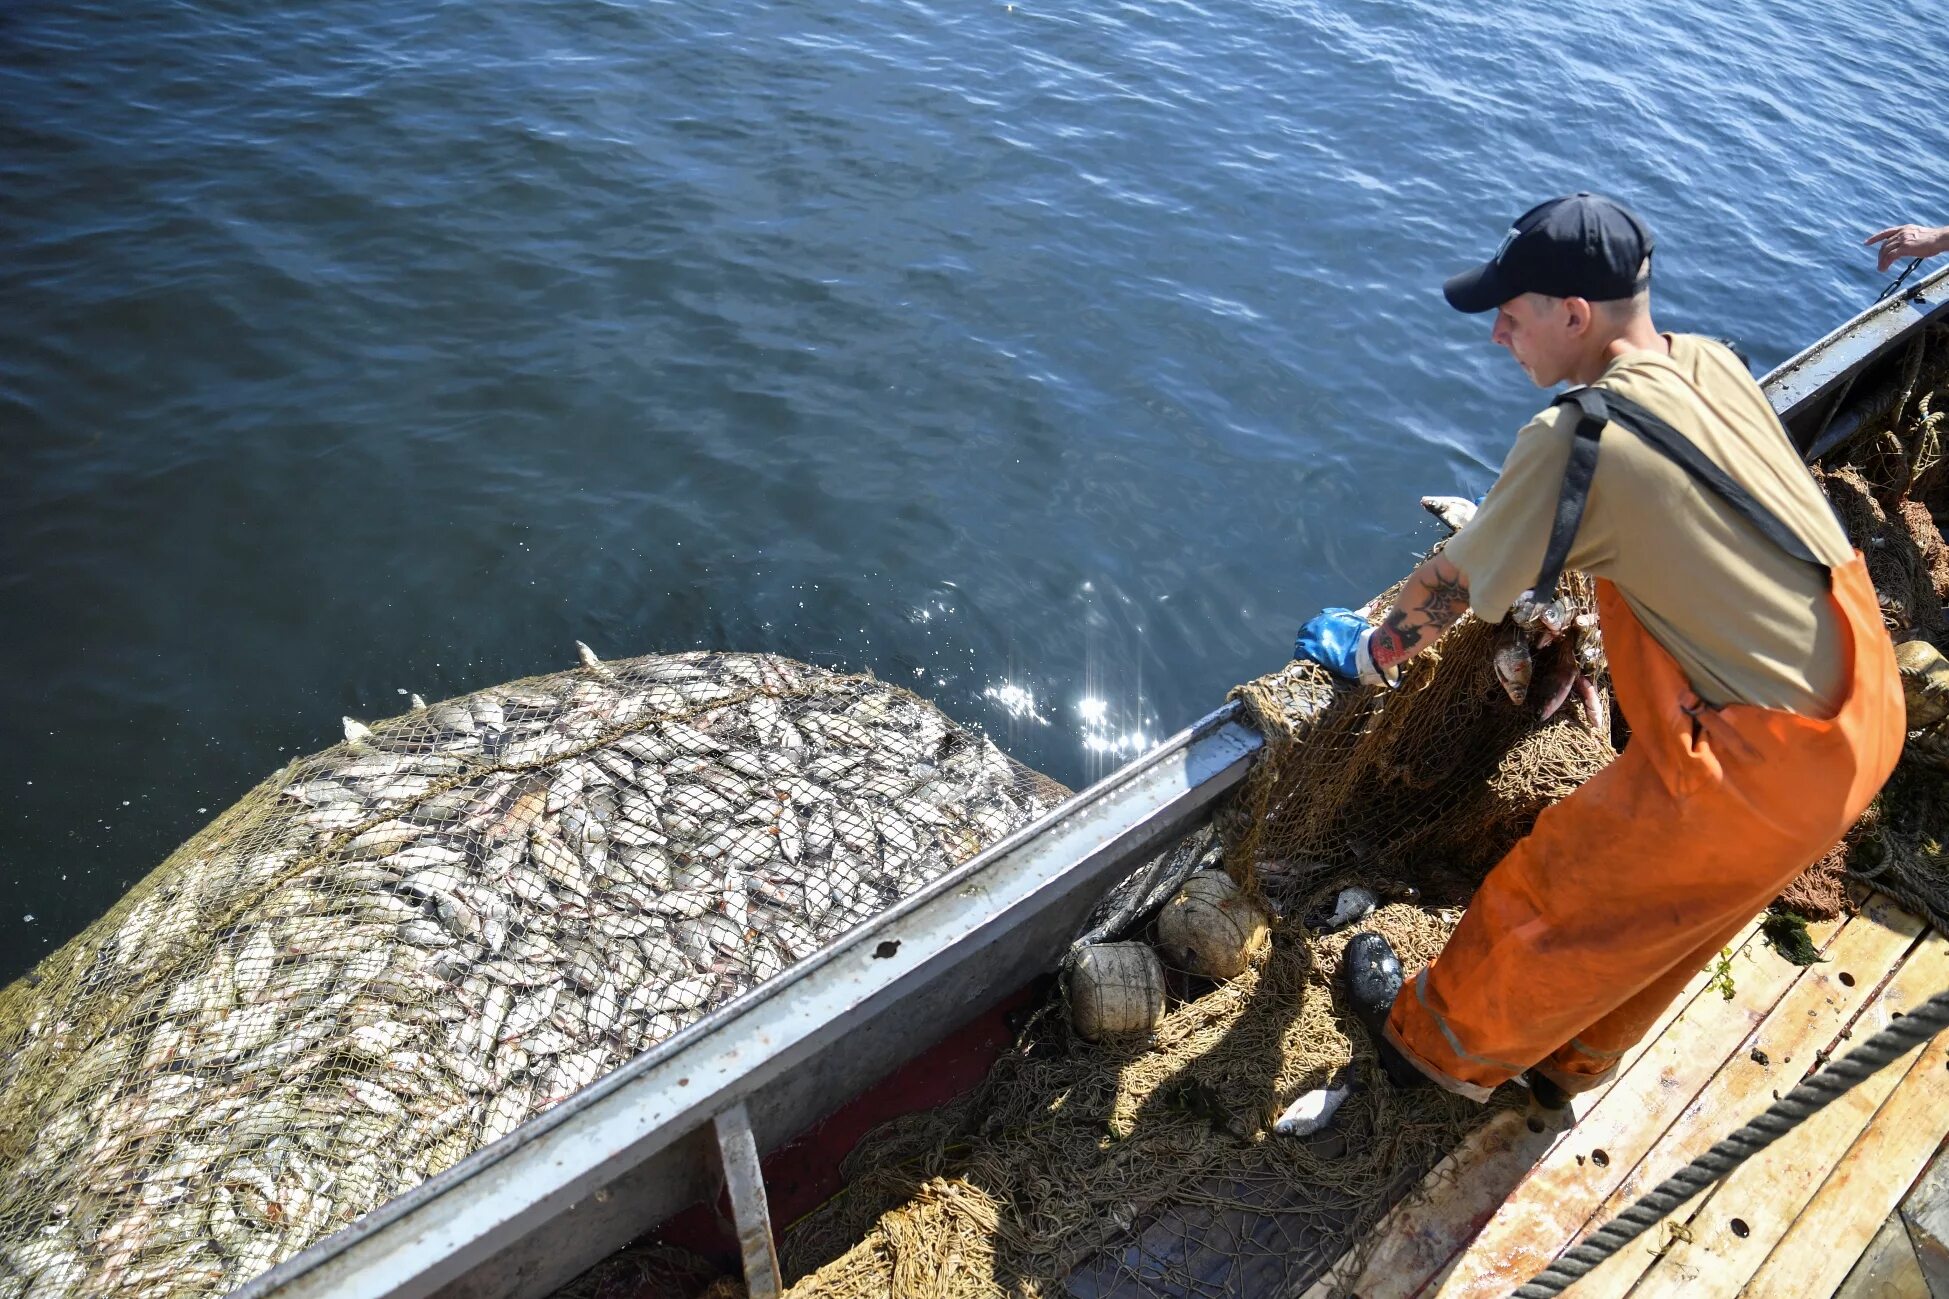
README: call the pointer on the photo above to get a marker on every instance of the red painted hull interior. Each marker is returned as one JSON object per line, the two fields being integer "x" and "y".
{"x": 805, "y": 1172}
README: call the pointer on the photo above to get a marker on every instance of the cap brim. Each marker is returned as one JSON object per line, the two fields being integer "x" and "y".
{"x": 1480, "y": 289}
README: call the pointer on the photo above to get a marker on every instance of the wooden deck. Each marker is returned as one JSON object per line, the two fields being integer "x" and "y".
{"x": 1838, "y": 1207}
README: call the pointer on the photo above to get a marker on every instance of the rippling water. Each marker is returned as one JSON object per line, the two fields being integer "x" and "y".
{"x": 1051, "y": 361}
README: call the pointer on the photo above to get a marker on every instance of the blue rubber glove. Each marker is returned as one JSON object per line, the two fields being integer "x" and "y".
{"x": 1340, "y": 641}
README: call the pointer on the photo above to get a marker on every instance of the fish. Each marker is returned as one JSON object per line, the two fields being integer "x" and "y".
{"x": 1513, "y": 662}
{"x": 605, "y": 1008}
{"x": 1311, "y": 1111}
{"x": 791, "y": 837}
{"x": 1454, "y": 512}
{"x": 1591, "y": 708}
{"x": 1350, "y": 904}
{"x": 688, "y": 739}
{"x": 322, "y": 792}
{"x": 594, "y": 664}
{"x": 385, "y": 838}
{"x": 741, "y": 846}
{"x": 510, "y": 1106}
{"x": 1553, "y": 680}
{"x": 421, "y": 932}
{"x": 556, "y": 861}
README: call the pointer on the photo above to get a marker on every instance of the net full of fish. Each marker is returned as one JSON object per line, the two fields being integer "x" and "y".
{"x": 394, "y": 952}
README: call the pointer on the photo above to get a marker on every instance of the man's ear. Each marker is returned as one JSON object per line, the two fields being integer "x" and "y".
{"x": 1578, "y": 314}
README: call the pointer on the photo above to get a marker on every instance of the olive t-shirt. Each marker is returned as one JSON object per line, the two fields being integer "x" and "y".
{"x": 1746, "y": 622}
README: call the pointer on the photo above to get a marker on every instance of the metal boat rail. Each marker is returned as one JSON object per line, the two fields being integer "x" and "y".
{"x": 663, "y": 1132}
{"x": 1810, "y": 389}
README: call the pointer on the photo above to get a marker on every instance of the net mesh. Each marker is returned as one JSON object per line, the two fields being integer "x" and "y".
{"x": 1148, "y": 1168}
{"x": 395, "y": 951}
{"x": 1439, "y": 776}
{"x": 1890, "y": 487}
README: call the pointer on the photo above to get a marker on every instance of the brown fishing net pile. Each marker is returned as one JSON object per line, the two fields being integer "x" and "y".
{"x": 1075, "y": 1168}
{"x": 1890, "y": 486}
{"x": 1433, "y": 780}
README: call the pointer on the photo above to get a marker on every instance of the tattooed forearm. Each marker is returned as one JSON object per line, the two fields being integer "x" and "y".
{"x": 1446, "y": 596}
{"x": 1434, "y": 599}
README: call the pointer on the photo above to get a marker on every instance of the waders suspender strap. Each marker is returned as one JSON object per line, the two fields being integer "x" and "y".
{"x": 1595, "y": 408}
{"x": 1570, "y": 502}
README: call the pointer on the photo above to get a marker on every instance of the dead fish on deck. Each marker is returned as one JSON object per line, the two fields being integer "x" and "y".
{"x": 1312, "y": 1111}
{"x": 1350, "y": 904}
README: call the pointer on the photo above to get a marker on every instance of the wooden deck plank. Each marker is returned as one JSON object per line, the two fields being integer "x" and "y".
{"x": 1808, "y": 1018}
{"x": 1769, "y": 1193}
{"x": 1428, "y": 1228}
{"x": 1866, "y": 1185}
{"x": 1533, "y": 1225}
{"x": 1888, "y": 1269}
{"x": 1925, "y": 1211}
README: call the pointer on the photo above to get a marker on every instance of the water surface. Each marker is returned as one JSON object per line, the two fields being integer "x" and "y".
{"x": 1052, "y": 361}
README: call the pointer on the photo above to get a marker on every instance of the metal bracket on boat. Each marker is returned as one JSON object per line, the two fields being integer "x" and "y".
{"x": 744, "y": 1182}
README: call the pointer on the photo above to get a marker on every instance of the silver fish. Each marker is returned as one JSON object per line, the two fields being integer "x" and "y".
{"x": 1513, "y": 662}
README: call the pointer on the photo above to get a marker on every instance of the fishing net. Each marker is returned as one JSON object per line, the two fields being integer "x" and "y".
{"x": 1890, "y": 487}
{"x": 1901, "y": 424}
{"x": 393, "y": 952}
{"x": 1438, "y": 777}
{"x": 1077, "y": 1169}
{"x": 1903, "y": 549}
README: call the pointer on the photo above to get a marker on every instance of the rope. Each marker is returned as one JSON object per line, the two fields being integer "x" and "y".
{"x": 1809, "y": 1098}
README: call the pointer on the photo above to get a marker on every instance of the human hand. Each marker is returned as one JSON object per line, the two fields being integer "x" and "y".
{"x": 1898, "y": 242}
{"x": 1340, "y": 641}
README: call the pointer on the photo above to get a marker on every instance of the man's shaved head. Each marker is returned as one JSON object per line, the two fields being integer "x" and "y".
{"x": 1622, "y": 312}
{"x": 1571, "y": 340}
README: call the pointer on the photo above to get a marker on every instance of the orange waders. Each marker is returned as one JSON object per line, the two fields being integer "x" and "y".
{"x": 1584, "y": 933}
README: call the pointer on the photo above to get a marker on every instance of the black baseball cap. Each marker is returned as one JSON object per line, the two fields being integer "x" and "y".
{"x": 1579, "y": 246}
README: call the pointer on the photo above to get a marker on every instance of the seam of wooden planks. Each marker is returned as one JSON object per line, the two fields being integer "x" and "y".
{"x": 1523, "y": 1188}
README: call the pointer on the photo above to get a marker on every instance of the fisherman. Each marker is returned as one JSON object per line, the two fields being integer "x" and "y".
{"x": 1745, "y": 646}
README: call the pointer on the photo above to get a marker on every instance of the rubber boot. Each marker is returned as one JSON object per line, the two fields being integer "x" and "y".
{"x": 1546, "y": 1094}
{"x": 1371, "y": 974}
